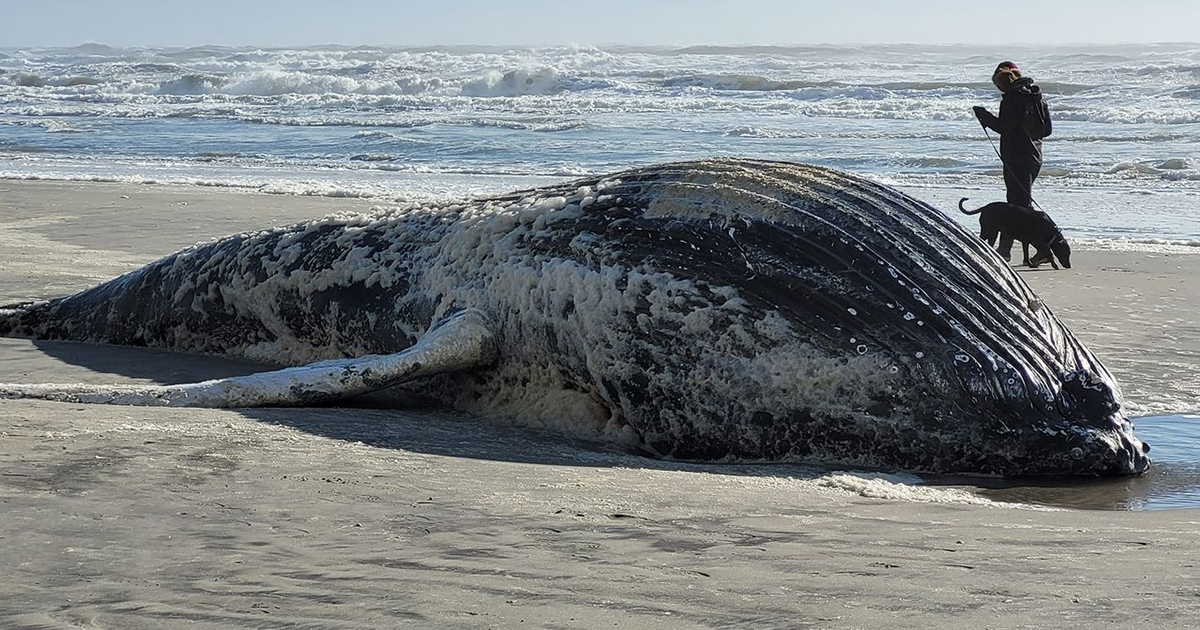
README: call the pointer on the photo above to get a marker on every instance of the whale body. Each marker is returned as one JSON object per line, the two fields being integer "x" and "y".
{"x": 719, "y": 310}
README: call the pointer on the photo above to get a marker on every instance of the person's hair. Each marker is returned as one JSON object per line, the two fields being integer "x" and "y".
{"x": 1005, "y": 76}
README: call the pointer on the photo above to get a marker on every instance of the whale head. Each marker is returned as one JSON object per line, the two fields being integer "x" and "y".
{"x": 765, "y": 311}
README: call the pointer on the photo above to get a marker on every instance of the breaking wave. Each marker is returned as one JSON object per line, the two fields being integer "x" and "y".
{"x": 33, "y": 80}
{"x": 526, "y": 81}
{"x": 737, "y": 82}
{"x": 1182, "y": 169}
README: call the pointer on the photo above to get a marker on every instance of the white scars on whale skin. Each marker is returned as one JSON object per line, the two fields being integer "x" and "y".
{"x": 717, "y": 310}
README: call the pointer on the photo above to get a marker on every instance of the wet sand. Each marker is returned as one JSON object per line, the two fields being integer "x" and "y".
{"x": 118, "y": 517}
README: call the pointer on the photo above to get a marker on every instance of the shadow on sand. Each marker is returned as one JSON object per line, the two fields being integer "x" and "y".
{"x": 368, "y": 420}
{"x": 1174, "y": 481}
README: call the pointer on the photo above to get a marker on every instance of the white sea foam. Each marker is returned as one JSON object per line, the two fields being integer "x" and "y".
{"x": 905, "y": 488}
{"x": 1155, "y": 245}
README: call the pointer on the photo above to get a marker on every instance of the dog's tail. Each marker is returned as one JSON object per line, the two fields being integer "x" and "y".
{"x": 964, "y": 210}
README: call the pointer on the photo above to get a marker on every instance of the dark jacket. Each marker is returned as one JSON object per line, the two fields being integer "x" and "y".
{"x": 1016, "y": 147}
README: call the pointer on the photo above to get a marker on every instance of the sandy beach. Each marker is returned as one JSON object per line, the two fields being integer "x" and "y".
{"x": 116, "y": 517}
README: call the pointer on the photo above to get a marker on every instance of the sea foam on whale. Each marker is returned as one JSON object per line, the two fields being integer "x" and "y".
{"x": 724, "y": 309}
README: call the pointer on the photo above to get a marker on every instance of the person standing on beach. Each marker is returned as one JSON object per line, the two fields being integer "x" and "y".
{"x": 1023, "y": 121}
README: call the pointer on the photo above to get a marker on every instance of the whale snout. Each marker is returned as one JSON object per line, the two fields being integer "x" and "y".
{"x": 1132, "y": 456}
{"x": 1100, "y": 438}
{"x": 1107, "y": 448}
{"x": 1112, "y": 451}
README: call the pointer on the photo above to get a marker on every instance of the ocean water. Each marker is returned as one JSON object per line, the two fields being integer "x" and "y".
{"x": 1122, "y": 169}
{"x": 1123, "y": 166}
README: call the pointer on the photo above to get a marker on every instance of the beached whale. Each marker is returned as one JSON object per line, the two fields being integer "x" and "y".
{"x": 714, "y": 310}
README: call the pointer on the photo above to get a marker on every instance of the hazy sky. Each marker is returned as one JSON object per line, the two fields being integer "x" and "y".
{"x": 26, "y": 23}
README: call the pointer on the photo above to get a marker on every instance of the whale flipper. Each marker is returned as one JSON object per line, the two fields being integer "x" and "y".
{"x": 461, "y": 341}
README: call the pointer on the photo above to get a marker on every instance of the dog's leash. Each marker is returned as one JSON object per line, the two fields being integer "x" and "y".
{"x": 997, "y": 151}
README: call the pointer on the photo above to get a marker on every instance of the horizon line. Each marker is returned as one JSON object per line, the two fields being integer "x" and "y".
{"x": 616, "y": 45}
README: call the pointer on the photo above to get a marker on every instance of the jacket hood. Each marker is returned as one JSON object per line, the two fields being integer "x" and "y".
{"x": 1026, "y": 87}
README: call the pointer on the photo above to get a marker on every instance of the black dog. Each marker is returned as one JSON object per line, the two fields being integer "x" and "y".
{"x": 1017, "y": 223}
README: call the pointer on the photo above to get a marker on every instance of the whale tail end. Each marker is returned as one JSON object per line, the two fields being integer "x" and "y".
{"x": 13, "y": 318}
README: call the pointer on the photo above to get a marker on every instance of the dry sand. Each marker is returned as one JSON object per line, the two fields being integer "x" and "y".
{"x": 119, "y": 517}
